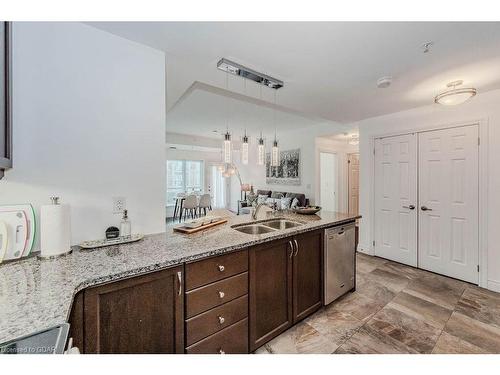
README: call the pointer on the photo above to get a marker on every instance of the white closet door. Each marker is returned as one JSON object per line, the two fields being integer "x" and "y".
{"x": 395, "y": 198}
{"x": 448, "y": 202}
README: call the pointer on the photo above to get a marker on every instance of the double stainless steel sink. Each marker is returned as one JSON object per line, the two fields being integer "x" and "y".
{"x": 266, "y": 226}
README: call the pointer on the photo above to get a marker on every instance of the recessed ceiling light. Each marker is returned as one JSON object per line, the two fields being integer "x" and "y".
{"x": 455, "y": 96}
{"x": 384, "y": 82}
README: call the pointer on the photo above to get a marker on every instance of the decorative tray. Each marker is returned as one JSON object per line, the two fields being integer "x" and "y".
{"x": 307, "y": 210}
{"x": 112, "y": 241}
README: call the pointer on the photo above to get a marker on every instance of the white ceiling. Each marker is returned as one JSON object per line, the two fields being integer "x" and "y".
{"x": 206, "y": 111}
{"x": 330, "y": 69}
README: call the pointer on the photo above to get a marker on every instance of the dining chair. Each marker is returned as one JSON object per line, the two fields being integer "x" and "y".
{"x": 177, "y": 199}
{"x": 190, "y": 206}
{"x": 205, "y": 202}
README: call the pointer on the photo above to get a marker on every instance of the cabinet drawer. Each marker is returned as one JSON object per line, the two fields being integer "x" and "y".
{"x": 216, "y": 319}
{"x": 210, "y": 270}
{"x": 215, "y": 294}
{"x": 231, "y": 340}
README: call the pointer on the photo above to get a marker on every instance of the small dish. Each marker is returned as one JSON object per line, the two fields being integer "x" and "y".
{"x": 307, "y": 210}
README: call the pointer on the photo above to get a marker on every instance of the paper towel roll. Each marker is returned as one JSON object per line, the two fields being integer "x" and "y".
{"x": 55, "y": 230}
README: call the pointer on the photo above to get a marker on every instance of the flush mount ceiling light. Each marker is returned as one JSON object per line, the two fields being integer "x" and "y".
{"x": 455, "y": 95}
{"x": 242, "y": 71}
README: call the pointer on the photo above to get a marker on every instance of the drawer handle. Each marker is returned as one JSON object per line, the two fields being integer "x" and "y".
{"x": 221, "y": 320}
{"x": 221, "y": 268}
{"x": 221, "y": 351}
{"x": 221, "y": 294}
{"x": 179, "y": 278}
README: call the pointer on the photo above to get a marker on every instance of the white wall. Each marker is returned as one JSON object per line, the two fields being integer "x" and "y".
{"x": 89, "y": 124}
{"x": 485, "y": 106}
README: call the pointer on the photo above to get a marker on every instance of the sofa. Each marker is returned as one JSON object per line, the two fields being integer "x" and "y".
{"x": 303, "y": 201}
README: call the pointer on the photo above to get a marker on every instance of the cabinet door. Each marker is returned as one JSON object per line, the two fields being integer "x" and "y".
{"x": 144, "y": 314}
{"x": 270, "y": 292}
{"x": 307, "y": 275}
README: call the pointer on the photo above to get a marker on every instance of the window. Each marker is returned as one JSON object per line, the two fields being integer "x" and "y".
{"x": 183, "y": 176}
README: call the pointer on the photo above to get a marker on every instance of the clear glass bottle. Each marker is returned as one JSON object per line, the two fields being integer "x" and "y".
{"x": 125, "y": 226}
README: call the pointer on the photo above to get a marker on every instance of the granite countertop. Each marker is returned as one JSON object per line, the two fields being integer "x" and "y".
{"x": 36, "y": 294}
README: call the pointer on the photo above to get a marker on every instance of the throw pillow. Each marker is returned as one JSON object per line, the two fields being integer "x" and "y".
{"x": 286, "y": 203}
{"x": 295, "y": 203}
{"x": 262, "y": 199}
{"x": 272, "y": 201}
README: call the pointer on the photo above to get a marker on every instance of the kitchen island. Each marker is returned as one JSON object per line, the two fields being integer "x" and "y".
{"x": 36, "y": 294}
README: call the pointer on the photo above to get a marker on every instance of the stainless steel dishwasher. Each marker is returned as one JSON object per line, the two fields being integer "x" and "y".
{"x": 339, "y": 261}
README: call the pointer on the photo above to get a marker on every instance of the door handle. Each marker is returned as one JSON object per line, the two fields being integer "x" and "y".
{"x": 296, "y": 247}
{"x": 291, "y": 248}
{"x": 179, "y": 278}
{"x": 410, "y": 207}
{"x": 424, "y": 208}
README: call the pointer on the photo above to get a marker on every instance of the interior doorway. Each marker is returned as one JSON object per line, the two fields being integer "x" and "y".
{"x": 328, "y": 181}
{"x": 353, "y": 183}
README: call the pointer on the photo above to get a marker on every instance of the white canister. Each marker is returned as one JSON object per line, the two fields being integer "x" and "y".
{"x": 55, "y": 229}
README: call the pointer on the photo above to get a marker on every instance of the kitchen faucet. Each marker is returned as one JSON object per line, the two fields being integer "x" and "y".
{"x": 274, "y": 207}
{"x": 256, "y": 210}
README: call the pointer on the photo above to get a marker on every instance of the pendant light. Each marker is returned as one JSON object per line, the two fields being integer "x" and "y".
{"x": 226, "y": 146}
{"x": 244, "y": 142}
{"x": 275, "y": 152}
{"x": 455, "y": 96}
{"x": 244, "y": 149}
{"x": 261, "y": 151}
{"x": 261, "y": 148}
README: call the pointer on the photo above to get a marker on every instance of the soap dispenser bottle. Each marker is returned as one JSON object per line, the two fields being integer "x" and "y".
{"x": 125, "y": 227}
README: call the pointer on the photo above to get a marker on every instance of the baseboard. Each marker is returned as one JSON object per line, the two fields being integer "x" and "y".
{"x": 494, "y": 285}
{"x": 365, "y": 249}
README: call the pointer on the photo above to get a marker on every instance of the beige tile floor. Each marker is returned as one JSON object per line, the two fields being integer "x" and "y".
{"x": 399, "y": 309}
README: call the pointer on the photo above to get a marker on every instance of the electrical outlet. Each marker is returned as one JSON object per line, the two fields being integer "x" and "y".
{"x": 119, "y": 204}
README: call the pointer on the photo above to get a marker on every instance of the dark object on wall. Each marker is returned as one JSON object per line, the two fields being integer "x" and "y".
{"x": 288, "y": 172}
{"x": 5, "y": 98}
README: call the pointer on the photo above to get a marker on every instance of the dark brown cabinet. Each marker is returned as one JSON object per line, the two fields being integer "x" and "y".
{"x": 217, "y": 305}
{"x": 270, "y": 291}
{"x": 307, "y": 274}
{"x": 285, "y": 284}
{"x": 232, "y": 303}
{"x": 143, "y": 314}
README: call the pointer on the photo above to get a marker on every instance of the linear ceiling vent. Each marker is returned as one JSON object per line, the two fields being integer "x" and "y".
{"x": 242, "y": 71}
